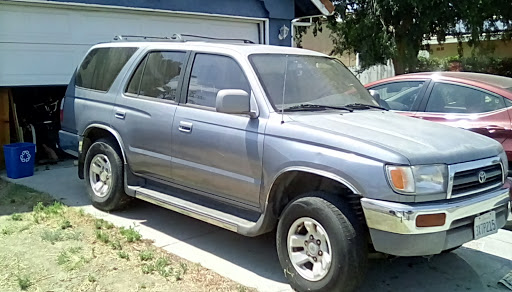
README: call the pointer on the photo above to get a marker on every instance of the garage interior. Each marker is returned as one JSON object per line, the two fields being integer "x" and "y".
{"x": 32, "y": 114}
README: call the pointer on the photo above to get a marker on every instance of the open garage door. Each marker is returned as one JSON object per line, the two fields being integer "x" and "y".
{"x": 41, "y": 43}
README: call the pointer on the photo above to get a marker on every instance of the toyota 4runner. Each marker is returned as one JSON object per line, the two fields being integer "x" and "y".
{"x": 253, "y": 137}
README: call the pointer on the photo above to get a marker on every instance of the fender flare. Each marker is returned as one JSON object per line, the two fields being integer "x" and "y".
{"x": 319, "y": 172}
{"x": 111, "y": 131}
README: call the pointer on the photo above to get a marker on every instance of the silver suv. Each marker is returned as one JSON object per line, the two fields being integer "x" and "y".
{"x": 254, "y": 137}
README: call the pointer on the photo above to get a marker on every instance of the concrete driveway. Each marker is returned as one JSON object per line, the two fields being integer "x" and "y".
{"x": 478, "y": 266}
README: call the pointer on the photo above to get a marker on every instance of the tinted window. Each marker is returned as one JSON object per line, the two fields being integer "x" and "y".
{"x": 398, "y": 96}
{"x": 133, "y": 86}
{"x": 158, "y": 75}
{"x": 211, "y": 73}
{"x": 450, "y": 98}
{"x": 101, "y": 67}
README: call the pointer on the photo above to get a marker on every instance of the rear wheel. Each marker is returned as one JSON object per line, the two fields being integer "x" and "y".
{"x": 321, "y": 244}
{"x": 104, "y": 176}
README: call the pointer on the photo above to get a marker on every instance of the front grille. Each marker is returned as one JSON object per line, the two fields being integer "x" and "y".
{"x": 467, "y": 181}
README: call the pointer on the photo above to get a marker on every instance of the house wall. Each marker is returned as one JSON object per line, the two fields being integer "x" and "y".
{"x": 501, "y": 49}
{"x": 322, "y": 43}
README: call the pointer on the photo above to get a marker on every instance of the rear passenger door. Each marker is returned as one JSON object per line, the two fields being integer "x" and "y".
{"x": 145, "y": 110}
{"x": 216, "y": 153}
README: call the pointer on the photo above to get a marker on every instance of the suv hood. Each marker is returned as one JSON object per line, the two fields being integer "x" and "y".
{"x": 421, "y": 142}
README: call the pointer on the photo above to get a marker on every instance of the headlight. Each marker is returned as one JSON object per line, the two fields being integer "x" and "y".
{"x": 420, "y": 179}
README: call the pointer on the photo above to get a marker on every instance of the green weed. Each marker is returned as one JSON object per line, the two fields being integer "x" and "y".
{"x": 184, "y": 267}
{"x": 7, "y": 231}
{"x": 178, "y": 275}
{"x": 65, "y": 224}
{"x": 102, "y": 236}
{"x": 148, "y": 268}
{"x": 123, "y": 255}
{"x": 16, "y": 217}
{"x": 53, "y": 236}
{"x": 146, "y": 255}
{"x": 116, "y": 245}
{"x": 162, "y": 267}
{"x": 71, "y": 259}
{"x": 24, "y": 282}
{"x": 130, "y": 234}
{"x": 91, "y": 278}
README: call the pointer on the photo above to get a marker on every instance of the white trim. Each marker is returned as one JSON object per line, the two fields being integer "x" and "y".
{"x": 85, "y": 6}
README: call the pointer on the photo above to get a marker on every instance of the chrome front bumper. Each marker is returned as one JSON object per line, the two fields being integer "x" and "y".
{"x": 393, "y": 225}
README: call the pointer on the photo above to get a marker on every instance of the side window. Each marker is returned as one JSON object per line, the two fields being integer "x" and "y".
{"x": 399, "y": 96}
{"x": 211, "y": 73}
{"x": 451, "y": 98}
{"x": 133, "y": 86}
{"x": 101, "y": 67}
{"x": 158, "y": 75}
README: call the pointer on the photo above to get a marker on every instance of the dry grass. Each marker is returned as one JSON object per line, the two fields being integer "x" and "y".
{"x": 51, "y": 247}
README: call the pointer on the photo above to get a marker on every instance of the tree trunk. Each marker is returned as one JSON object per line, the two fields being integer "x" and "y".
{"x": 399, "y": 61}
{"x": 399, "y": 65}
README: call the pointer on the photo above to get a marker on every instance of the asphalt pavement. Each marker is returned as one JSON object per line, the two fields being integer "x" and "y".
{"x": 477, "y": 266}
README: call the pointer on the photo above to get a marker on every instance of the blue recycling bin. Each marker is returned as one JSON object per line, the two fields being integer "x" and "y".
{"x": 19, "y": 159}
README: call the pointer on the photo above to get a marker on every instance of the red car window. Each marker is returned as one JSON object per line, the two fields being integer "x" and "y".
{"x": 451, "y": 98}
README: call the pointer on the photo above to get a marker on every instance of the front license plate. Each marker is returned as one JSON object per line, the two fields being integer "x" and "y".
{"x": 485, "y": 225}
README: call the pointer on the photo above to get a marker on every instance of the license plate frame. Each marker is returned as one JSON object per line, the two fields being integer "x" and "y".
{"x": 485, "y": 225}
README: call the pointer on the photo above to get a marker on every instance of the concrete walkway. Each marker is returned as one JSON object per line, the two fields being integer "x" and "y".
{"x": 477, "y": 266}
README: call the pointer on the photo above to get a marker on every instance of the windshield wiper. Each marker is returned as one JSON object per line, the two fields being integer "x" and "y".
{"x": 307, "y": 106}
{"x": 364, "y": 106}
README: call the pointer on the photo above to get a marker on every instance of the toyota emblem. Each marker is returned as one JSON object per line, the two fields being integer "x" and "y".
{"x": 482, "y": 176}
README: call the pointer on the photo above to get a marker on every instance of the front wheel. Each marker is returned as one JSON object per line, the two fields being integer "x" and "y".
{"x": 321, "y": 245}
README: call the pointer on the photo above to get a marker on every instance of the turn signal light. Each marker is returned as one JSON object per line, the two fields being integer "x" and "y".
{"x": 431, "y": 220}
{"x": 398, "y": 178}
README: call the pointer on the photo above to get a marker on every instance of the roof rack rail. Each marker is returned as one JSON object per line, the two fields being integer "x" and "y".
{"x": 245, "y": 41}
{"x": 177, "y": 38}
{"x": 174, "y": 38}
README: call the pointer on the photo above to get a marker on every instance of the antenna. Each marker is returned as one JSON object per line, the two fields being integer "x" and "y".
{"x": 284, "y": 89}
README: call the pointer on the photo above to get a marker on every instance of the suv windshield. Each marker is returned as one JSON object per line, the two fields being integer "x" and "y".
{"x": 308, "y": 80}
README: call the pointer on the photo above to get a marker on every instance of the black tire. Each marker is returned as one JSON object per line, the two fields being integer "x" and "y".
{"x": 347, "y": 237}
{"x": 115, "y": 198}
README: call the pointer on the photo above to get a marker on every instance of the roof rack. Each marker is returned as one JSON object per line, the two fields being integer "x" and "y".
{"x": 176, "y": 38}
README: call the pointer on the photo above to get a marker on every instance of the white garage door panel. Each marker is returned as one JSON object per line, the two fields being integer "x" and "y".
{"x": 41, "y": 44}
{"x": 38, "y": 64}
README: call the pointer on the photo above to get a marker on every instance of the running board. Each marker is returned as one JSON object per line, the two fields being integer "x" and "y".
{"x": 197, "y": 211}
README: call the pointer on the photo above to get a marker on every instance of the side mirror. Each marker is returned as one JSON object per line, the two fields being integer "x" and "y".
{"x": 375, "y": 94}
{"x": 234, "y": 101}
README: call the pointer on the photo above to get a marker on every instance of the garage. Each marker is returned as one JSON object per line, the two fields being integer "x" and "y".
{"x": 41, "y": 43}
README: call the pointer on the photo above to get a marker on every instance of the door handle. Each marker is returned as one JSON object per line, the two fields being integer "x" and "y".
{"x": 120, "y": 115}
{"x": 185, "y": 127}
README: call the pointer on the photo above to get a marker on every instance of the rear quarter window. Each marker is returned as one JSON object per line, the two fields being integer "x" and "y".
{"x": 101, "y": 67}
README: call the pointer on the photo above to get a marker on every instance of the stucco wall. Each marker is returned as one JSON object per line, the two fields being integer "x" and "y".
{"x": 501, "y": 49}
{"x": 322, "y": 43}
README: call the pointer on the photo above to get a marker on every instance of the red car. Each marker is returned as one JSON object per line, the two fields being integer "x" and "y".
{"x": 477, "y": 102}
